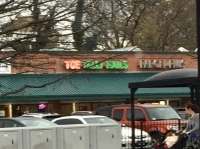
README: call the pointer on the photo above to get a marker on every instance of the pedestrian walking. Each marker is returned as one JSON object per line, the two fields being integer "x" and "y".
{"x": 192, "y": 128}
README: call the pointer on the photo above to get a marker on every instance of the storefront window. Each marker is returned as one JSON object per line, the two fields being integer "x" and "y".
{"x": 28, "y": 108}
{"x": 82, "y": 108}
{"x": 2, "y": 113}
{"x": 174, "y": 103}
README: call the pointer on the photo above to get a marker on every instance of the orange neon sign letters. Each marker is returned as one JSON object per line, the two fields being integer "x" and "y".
{"x": 73, "y": 64}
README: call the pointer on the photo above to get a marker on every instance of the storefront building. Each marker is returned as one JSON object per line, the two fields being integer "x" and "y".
{"x": 66, "y": 82}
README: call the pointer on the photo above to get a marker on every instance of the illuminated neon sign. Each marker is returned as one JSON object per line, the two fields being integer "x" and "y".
{"x": 41, "y": 106}
{"x": 96, "y": 65}
{"x": 73, "y": 64}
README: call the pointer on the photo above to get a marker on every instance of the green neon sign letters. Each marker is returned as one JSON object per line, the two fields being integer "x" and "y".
{"x": 111, "y": 64}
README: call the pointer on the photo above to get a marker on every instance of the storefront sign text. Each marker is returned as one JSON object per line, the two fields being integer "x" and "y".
{"x": 73, "y": 64}
{"x": 5, "y": 68}
{"x": 96, "y": 65}
{"x": 162, "y": 63}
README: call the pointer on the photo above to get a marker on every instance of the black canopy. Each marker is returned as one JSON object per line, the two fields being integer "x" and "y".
{"x": 171, "y": 78}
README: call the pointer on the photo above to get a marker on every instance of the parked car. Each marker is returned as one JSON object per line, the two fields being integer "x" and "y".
{"x": 97, "y": 119}
{"x": 92, "y": 119}
{"x": 24, "y": 122}
{"x": 149, "y": 117}
{"x": 47, "y": 116}
{"x": 127, "y": 138}
{"x": 181, "y": 111}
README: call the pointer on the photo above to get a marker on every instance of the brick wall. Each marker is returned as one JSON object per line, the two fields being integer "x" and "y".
{"x": 49, "y": 63}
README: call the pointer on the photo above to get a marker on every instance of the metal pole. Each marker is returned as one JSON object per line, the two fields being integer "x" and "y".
{"x": 196, "y": 95}
{"x": 198, "y": 51}
{"x": 192, "y": 94}
{"x": 141, "y": 139}
{"x": 198, "y": 45}
{"x": 132, "y": 118}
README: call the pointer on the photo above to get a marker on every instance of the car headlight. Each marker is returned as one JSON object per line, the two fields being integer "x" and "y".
{"x": 172, "y": 127}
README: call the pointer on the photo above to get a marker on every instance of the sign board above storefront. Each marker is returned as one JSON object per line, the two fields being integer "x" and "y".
{"x": 96, "y": 65}
{"x": 162, "y": 63}
{"x": 5, "y": 68}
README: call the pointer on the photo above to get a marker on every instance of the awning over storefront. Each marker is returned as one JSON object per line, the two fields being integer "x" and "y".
{"x": 79, "y": 86}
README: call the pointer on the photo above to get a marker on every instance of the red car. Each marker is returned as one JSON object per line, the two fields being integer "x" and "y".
{"x": 148, "y": 117}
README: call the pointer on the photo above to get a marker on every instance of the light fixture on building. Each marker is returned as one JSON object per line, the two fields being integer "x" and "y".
{"x": 162, "y": 102}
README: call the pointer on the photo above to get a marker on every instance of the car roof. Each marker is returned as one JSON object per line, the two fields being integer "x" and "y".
{"x": 151, "y": 105}
{"x": 136, "y": 105}
{"x": 40, "y": 114}
{"x": 19, "y": 118}
{"x": 79, "y": 117}
{"x": 82, "y": 113}
{"x": 179, "y": 108}
{"x": 85, "y": 116}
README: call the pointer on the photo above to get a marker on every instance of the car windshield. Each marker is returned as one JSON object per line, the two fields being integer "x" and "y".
{"x": 162, "y": 113}
{"x": 36, "y": 122}
{"x": 99, "y": 120}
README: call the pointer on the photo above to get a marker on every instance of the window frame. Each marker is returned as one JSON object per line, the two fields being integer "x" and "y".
{"x": 7, "y": 120}
{"x": 3, "y": 123}
{"x": 68, "y": 119}
{"x": 135, "y": 118}
{"x": 121, "y": 116}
